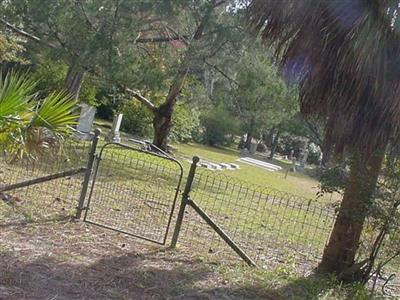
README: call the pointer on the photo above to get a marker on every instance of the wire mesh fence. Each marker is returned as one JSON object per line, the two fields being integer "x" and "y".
{"x": 267, "y": 224}
{"x": 49, "y": 200}
{"x": 134, "y": 192}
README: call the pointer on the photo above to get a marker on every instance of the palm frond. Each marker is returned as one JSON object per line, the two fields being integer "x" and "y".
{"x": 16, "y": 92}
{"x": 27, "y": 126}
{"x": 55, "y": 113}
{"x": 344, "y": 55}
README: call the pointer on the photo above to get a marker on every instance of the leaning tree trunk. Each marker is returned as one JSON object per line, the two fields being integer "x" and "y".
{"x": 162, "y": 123}
{"x": 339, "y": 255}
{"x": 73, "y": 81}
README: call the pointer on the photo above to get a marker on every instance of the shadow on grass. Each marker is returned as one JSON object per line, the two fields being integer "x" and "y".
{"x": 129, "y": 276}
{"x": 43, "y": 221}
{"x": 141, "y": 276}
{"x": 311, "y": 287}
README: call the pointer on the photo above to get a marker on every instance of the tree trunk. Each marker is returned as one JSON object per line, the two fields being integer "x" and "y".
{"x": 326, "y": 155}
{"x": 339, "y": 254}
{"x": 73, "y": 81}
{"x": 162, "y": 126}
{"x": 162, "y": 123}
{"x": 249, "y": 138}
{"x": 269, "y": 138}
{"x": 327, "y": 145}
{"x": 274, "y": 145}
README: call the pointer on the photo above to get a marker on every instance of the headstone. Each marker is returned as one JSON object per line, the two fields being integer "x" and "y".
{"x": 225, "y": 166}
{"x": 205, "y": 165}
{"x": 114, "y": 136}
{"x": 214, "y": 166}
{"x": 261, "y": 147}
{"x": 303, "y": 160}
{"x": 320, "y": 158}
{"x": 253, "y": 147}
{"x": 85, "y": 122}
{"x": 261, "y": 164}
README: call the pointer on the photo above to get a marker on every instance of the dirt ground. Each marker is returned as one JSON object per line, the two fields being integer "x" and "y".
{"x": 74, "y": 260}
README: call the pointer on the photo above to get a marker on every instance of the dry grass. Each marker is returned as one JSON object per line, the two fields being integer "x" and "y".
{"x": 67, "y": 260}
{"x": 74, "y": 260}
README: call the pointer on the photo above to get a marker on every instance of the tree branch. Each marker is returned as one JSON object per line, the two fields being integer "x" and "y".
{"x": 160, "y": 39}
{"x": 222, "y": 73}
{"x": 146, "y": 102}
{"x": 88, "y": 22}
{"x": 25, "y": 34}
{"x": 216, "y": 4}
{"x": 183, "y": 38}
{"x": 54, "y": 32}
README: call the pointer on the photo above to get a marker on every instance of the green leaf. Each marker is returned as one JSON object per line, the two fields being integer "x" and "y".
{"x": 55, "y": 113}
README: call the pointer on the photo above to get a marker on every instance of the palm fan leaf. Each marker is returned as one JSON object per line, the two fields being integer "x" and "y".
{"x": 16, "y": 92}
{"x": 55, "y": 113}
{"x": 27, "y": 126}
{"x": 345, "y": 57}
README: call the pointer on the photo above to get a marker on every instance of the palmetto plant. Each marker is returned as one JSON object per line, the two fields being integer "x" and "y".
{"x": 27, "y": 124}
{"x": 345, "y": 56}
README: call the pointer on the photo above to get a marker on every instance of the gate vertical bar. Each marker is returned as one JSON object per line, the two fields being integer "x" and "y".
{"x": 88, "y": 173}
{"x": 185, "y": 200}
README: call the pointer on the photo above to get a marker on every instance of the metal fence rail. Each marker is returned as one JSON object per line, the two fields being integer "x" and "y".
{"x": 55, "y": 181}
{"x": 134, "y": 192}
{"x": 265, "y": 223}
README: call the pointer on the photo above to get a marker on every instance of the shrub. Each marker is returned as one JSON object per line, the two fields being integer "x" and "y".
{"x": 137, "y": 119}
{"x": 219, "y": 126}
{"x": 185, "y": 122}
{"x": 110, "y": 101}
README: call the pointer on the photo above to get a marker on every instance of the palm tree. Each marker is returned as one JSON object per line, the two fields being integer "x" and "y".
{"x": 27, "y": 125}
{"x": 344, "y": 55}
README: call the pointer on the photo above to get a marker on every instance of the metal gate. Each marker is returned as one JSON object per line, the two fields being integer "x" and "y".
{"x": 134, "y": 191}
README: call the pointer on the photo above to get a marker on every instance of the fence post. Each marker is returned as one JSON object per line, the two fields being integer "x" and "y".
{"x": 88, "y": 173}
{"x": 184, "y": 202}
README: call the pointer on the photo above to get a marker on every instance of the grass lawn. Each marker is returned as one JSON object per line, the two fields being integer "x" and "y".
{"x": 299, "y": 184}
{"x": 261, "y": 210}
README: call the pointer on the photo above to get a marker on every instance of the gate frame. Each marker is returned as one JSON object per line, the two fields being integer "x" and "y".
{"x": 88, "y": 173}
{"x": 187, "y": 200}
{"x": 98, "y": 158}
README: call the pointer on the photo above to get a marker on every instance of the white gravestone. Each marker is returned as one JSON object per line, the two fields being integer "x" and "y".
{"x": 114, "y": 133}
{"x": 85, "y": 122}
